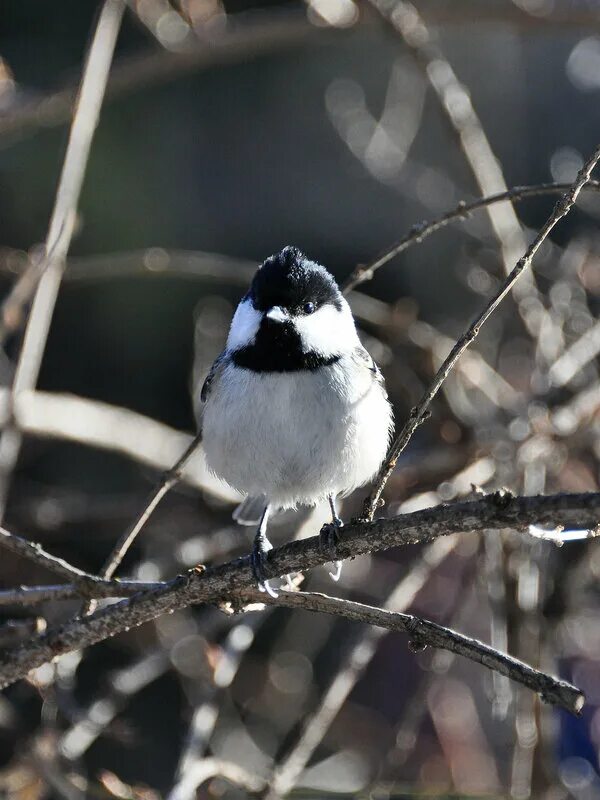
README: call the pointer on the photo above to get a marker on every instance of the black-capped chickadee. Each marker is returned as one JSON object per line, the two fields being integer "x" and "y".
{"x": 294, "y": 410}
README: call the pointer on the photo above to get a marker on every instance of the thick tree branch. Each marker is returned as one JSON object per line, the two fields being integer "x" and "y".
{"x": 421, "y": 410}
{"x": 499, "y": 511}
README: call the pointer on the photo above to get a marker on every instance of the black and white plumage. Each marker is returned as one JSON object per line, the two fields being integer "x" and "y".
{"x": 294, "y": 409}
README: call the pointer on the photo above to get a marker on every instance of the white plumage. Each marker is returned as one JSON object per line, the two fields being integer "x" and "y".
{"x": 295, "y": 409}
{"x": 297, "y": 437}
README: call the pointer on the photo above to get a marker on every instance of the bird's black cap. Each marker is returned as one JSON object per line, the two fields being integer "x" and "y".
{"x": 290, "y": 280}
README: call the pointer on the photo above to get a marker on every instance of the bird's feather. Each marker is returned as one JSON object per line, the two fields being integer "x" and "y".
{"x": 364, "y": 359}
{"x": 213, "y": 372}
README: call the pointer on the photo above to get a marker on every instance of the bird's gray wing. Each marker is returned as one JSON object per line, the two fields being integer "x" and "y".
{"x": 213, "y": 374}
{"x": 250, "y": 510}
{"x": 364, "y": 359}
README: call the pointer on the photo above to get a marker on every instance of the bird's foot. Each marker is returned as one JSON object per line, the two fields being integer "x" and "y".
{"x": 258, "y": 560}
{"x": 329, "y": 538}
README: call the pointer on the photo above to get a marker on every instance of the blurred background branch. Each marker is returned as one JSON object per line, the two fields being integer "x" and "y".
{"x": 227, "y": 131}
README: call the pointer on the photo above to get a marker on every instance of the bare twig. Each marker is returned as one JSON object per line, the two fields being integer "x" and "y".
{"x": 420, "y": 411}
{"x": 422, "y": 230}
{"x": 36, "y": 553}
{"x": 61, "y": 225}
{"x": 473, "y": 367}
{"x": 579, "y": 354}
{"x": 124, "y": 684}
{"x": 423, "y": 632}
{"x": 208, "y": 768}
{"x": 88, "y": 587}
{"x": 455, "y": 99}
{"x": 83, "y": 584}
{"x": 495, "y": 512}
{"x": 168, "y": 480}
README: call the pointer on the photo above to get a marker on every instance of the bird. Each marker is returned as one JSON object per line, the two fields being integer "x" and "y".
{"x": 294, "y": 411}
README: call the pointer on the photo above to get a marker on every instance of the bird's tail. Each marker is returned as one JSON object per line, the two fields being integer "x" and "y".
{"x": 250, "y": 510}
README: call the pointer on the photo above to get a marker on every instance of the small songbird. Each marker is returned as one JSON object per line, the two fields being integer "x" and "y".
{"x": 294, "y": 410}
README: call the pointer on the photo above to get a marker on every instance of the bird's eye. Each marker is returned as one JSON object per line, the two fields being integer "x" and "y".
{"x": 309, "y": 308}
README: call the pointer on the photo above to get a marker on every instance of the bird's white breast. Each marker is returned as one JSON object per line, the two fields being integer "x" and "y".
{"x": 297, "y": 436}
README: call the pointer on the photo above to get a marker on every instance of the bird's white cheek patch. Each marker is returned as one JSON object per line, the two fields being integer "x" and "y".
{"x": 328, "y": 331}
{"x": 244, "y": 325}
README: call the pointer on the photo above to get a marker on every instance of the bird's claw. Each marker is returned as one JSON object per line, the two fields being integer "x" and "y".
{"x": 335, "y": 576}
{"x": 329, "y": 537}
{"x": 257, "y": 561}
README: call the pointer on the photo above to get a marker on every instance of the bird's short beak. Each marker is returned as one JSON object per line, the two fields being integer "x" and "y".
{"x": 276, "y": 314}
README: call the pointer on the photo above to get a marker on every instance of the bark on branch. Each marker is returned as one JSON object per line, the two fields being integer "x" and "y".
{"x": 499, "y": 511}
{"x": 424, "y": 633}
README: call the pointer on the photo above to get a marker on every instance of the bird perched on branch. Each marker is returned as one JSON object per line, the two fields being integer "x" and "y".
{"x": 294, "y": 410}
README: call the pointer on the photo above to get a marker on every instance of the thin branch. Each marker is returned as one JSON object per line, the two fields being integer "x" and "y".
{"x": 61, "y": 226}
{"x": 499, "y": 511}
{"x": 123, "y": 685}
{"x": 90, "y": 587}
{"x": 169, "y": 479}
{"x": 463, "y": 210}
{"x": 455, "y": 99}
{"x": 473, "y": 367}
{"x": 84, "y": 584}
{"x": 421, "y": 410}
{"x": 423, "y": 632}
{"x": 202, "y": 771}
{"x": 97, "y": 424}
{"x": 579, "y": 355}
{"x": 36, "y": 553}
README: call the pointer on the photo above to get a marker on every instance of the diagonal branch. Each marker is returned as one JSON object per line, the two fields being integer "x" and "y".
{"x": 168, "y": 480}
{"x": 404, "y": 19}
{"x": 36, "y": 553}
{"x": 45, "y": 276}
{"x": 83, "y": 584}
{"x": 422, "y": 632}
{"x": 462, "y": 211}
{"x": 421, "y": 410}
{"x": 499, "y": 511}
